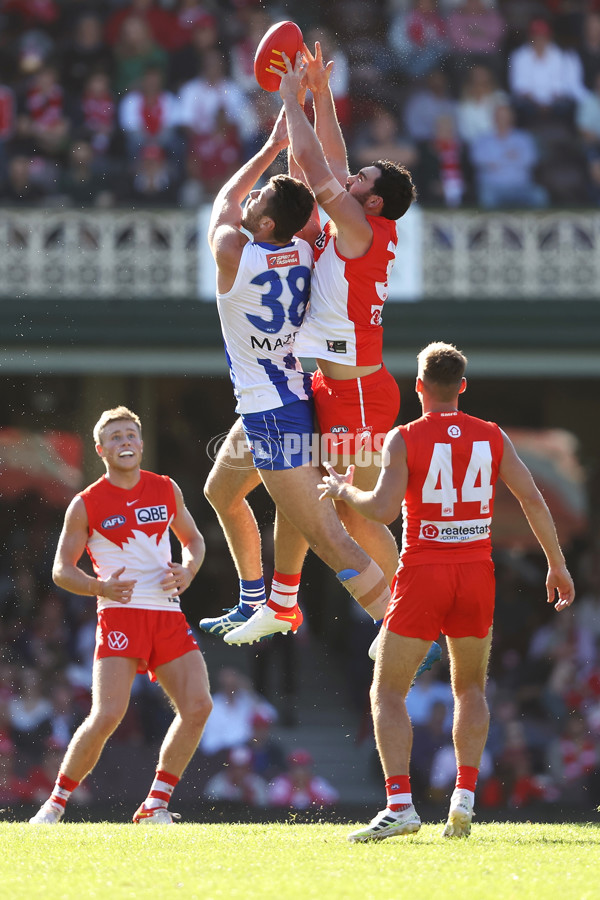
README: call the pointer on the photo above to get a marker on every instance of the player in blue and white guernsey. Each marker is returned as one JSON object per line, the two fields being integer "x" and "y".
{"x": 263, "y": 288}
{"x": 262, "y": 311}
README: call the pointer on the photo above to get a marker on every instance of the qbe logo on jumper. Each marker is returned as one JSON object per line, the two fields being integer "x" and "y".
{"x": 147, "y": 515}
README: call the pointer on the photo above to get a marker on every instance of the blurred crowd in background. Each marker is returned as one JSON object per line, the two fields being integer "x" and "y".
{"x": 491, "y": 103}
{"x": 544, "y": 687}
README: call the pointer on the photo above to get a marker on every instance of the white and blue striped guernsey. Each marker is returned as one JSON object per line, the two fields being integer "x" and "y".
{"x": 260, "y": 318}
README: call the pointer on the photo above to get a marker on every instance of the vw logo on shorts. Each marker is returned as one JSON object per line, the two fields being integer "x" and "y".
{"x": 117, "y": 640}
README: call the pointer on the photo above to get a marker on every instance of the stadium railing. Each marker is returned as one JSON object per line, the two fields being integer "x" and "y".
{"x": 142, "y": 254}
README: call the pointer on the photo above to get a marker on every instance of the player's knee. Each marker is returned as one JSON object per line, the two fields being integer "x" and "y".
{"x": 385, "y": 697}
{"x": 211, "y": 491}
{"x": 196, "y": 709}
{"x": 106, "y": 719}
{"x": 471, "y": 693}
{"x": 219, "y": 495}
{"x": 330, "y": 542}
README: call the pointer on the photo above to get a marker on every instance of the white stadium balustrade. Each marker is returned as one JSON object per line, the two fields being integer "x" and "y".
{"x": 125, "y": 254}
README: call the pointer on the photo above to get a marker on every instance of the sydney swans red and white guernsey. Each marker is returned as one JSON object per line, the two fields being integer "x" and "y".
{"x": 131, "y": 528}
{"x": 343, "y": 323}
{"x": 453, "y": 461}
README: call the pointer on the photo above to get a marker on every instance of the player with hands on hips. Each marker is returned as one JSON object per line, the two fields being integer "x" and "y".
{"x": 123, "y": 520}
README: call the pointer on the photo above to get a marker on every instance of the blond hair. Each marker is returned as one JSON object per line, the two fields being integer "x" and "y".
{"x": 442, "y": 368}
{"x": 114, "y": 415}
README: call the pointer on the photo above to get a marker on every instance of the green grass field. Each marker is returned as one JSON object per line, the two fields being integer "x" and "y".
{"x": 294, "y": 862}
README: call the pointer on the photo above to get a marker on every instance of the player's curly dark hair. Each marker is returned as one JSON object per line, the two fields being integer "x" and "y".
{"x": 290, "y": 207}
{"x": 395, "y": 187}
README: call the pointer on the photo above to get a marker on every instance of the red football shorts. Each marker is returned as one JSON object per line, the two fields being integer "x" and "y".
{"x": 454, "y": 598}
{"x": 356, "y": 413}
{"x": 153, "y": 637}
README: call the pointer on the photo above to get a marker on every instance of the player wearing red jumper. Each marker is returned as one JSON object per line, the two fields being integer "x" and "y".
{"x": 343, "y": 331}
{"x": 123, "y": 521}
{"x": 355, "y": 397}
{"x": 442, "y": 469}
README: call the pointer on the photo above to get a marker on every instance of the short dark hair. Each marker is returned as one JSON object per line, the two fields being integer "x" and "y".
{"x": 290, "y": 207}
{"x": 442, "y": 367}
{"x": 395, "y": 187}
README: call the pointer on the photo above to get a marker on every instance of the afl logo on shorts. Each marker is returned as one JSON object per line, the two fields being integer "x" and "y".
{"x": 117, "y": 640}
{"x": 454, "y": 431}
{"x": 430, "y": 532}
{"x": 113, "y": 522}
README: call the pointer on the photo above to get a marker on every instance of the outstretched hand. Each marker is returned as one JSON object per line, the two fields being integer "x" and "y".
{"x": 317, "y": 74}
{"x": 292, "y": 81}
{"x": 333, "y": 483}
{"x": 559, "y": 581}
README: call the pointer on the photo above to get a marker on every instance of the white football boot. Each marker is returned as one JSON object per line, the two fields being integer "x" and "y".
{"x": 264, "y": 622}
{"x": 48, "y": 814}
{"x": 460, "y": 815}
{"x": 388, "y": 824}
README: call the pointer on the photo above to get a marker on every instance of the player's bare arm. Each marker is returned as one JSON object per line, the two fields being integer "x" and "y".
{"x": 225, "y": 237}
{"x": 384, "y": 502}
{"x": 354, "y": 234}
{"x": 327, "y": 126}
{"x": 71, "y": 545}
{"x": 517, "y": 477}
{"x": 180, "y": 575}
{"x": 312, "y": 229}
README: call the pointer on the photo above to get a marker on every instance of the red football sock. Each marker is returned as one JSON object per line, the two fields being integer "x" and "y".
{"x": 466, "y": 780}
{"x": 398, "y": 792}
{"x": 162, "y": 787}
{"x": 284, "y": 589}
{"x": 63, "y": 789}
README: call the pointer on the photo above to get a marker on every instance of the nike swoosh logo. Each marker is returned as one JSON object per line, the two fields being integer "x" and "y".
{"x": 288, "y": 617}
{"x": 131, "y": 502}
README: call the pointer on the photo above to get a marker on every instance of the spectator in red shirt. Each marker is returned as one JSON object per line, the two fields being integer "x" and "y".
{"x": 161, "y": 22}
{"x": 299, "y": 787}
{"x": 7, "y": 120}
{"x": 419, "y": 39}
{"x": 574, "y": 760}
{"x": 44, "y": 117}
{"x": 149, "y": 114}
{"x": 31, "y": 13}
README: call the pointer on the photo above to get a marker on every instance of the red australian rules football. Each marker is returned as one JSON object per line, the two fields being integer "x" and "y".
{"x": 283, "y": 37}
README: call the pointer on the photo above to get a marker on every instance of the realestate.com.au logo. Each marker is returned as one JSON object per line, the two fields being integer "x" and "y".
{"x": 294, "y": 450}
